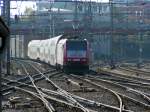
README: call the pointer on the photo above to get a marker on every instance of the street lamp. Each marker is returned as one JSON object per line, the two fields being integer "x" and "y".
{"x": 140, "y": 43}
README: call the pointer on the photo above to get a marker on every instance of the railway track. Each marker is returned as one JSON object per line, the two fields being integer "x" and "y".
{"x": 122, "y": 95}
{"x": 47, "y": 104}
{"x": 84, "y": 90}
{"x": 129, "y": 84}
{"x": 136, "y": 72}
{"x": 57, "y": 102}
{"x": 82, "y": 100}
{"x": 123, "y": 77}
{"x": 136, "y": 94}
{"x": 143, "y": 87}
{"x": 90, "y": 104}
{"x": 44, "y": 100}
{"x": 130, "y": 81}
{"x": 85, "y": 94}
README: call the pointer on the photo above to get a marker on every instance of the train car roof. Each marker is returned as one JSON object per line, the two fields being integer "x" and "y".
{"x": 55, "y": 39}
{"x": 68, "y": 36}
{"x": 34, "y": 42}
{"x": 62, "y": 41}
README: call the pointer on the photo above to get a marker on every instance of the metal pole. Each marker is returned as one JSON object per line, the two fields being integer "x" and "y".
{"x": 139, "y": 42}
{"x": 75, "y": 26}
{"x": 3, "y": 14}
{"x": 7, "y": 6}
{"x": 140, "y": 49}
{"x": 0, "y": 81}
{"x": 127, "y": 22}
{"x": 53, "y": 25}
{"x": 112, "y": 28}
{"x": 3, "y": 8}
{"x": 2, "y": 50}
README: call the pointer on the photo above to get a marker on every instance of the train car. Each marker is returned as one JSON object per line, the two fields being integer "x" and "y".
{"x": 69, "y": 54}
{"x": 52, "y": 47}
{"x": 33, "y": 49}
{"x": 42, "y": 49}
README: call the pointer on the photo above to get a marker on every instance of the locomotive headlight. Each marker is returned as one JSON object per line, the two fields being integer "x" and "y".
{"x": 68, "y": 59}
{"x": 84, "y": 59}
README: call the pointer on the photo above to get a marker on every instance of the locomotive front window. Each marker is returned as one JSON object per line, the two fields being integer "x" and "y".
{"x": 76, "y": 49}
{"x": 76, "y": 45}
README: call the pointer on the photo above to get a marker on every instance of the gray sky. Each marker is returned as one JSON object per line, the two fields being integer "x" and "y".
{"x": 19, "y": 7}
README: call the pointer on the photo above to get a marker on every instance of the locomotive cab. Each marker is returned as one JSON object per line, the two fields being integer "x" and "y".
{"x": 76, "y": 56}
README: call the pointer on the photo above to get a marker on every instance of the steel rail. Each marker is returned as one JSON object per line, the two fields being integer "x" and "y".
{"x": 125, "y": 81}
{"x": 26, "y": 79}
{"x": 36, "y": 79}
{"x": 91, "y": 102}
{"x": 135, "y": 70}
{"x": 79, "y": 99}
{"x": 124, "y": 87}
{"x": 30, "y": 92}
{"x": 147, "y": 95}
{"x": 130, "y": 78}
{"x": 42, "y": 89}
{"x": 61, "y": 102}
{"x": 61, "y": 90}
{"x": 38, "y": 62}
{"x": 129, "y": 98}
{"x": 49, "y": 107}
{"x": 130, "y": 84}
{"x": 113, "y": 92}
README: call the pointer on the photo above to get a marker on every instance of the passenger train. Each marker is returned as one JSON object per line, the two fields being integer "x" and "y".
{"x": 69, "y": 54}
